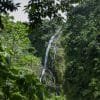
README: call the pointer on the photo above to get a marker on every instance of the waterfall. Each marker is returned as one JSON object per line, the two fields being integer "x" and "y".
{"x": 52, "y": 39}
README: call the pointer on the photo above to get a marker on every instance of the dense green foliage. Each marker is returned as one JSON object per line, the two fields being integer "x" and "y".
{"x": 76, "y": 65}
{"x": 18, "y": 67}
{"x": 82, "y": 76}
{"x": 6, "y": 5}
{"x": 40, "y": 36}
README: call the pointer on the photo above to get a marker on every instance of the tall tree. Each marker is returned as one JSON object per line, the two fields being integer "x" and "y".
{"x": 82, "y": 76}
{"x": 18, "y": 67}
{"x": 40, "y": 9}
{"x": 7, "y": 5}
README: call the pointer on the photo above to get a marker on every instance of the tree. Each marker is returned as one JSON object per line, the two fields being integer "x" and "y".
{"x": 82, "y": 45}
{"x": 38, "y": 10}
{"x": 19, "y": 68}
{"x": 7, "y": 5}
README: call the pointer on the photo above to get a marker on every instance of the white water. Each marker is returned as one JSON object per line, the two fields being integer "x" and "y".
{"x": 54, "y": 37}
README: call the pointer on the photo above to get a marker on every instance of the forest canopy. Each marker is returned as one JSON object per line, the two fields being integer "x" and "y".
{"x": 71, "y": 58}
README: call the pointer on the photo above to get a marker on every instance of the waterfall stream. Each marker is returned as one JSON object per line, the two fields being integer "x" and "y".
{"x": 52, "y": 39}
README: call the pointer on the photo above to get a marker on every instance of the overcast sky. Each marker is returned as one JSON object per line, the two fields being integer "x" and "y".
{"x": 20, "y": 15}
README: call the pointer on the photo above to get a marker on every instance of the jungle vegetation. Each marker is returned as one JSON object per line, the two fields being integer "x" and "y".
{"x": 23, "y": 45}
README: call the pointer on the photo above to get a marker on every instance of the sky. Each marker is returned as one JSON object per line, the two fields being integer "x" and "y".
{"x": 20, "y": 15}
